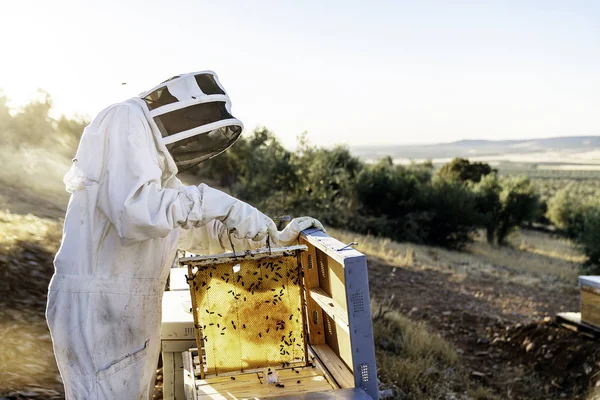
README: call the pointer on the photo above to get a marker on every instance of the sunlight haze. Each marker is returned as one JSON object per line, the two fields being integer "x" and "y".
{"x": 347, "y": 72}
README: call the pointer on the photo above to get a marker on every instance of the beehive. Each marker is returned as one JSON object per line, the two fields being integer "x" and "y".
{"x": 590, "y": 300}
{"x": 247, "y": 309}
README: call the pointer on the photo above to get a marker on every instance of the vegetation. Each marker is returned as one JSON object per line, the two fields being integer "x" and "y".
{"x": 406, "y": 203}
{"x": 411, "y": 361}
{"x": 463, "y": 170}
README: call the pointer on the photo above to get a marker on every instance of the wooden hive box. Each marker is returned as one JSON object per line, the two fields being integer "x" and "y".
{"x": 318, "y": 336}
{"x": 590, "y": 300}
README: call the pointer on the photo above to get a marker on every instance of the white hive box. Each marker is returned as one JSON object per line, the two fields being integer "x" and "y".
{"x": 178, "y": 280}
{"x": 177, "y": 336}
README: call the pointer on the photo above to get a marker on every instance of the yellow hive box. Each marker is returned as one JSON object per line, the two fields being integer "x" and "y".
{"x": 590, "y": 300}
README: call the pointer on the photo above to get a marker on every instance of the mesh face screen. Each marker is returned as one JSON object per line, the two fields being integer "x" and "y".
{"x": 160, "y": 97}
{"x": 251, "y": 318}
{"x": 190, "y": 152}
{"x": 191, "y": 117}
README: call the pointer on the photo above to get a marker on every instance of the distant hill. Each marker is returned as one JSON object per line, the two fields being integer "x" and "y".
{"x": 478, "y": 148}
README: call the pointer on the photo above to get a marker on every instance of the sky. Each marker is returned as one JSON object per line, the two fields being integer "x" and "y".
{"x": 347, "y": 72}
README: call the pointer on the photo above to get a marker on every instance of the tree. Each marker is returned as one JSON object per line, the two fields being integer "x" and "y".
{"x": 504, "y": 204}
{"x": 327, "y": 182}
{"x": 488, "y": 205}
{"x": 519, "y": 204}
{"x": 566, "y": 211}
{"x": 463, "y": 170}
{"x": 386, "y": 195}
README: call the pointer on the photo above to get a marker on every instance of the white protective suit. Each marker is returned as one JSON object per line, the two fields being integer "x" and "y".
{"x": 127, "y": 216}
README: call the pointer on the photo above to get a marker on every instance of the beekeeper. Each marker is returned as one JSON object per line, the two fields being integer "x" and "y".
{"x": 127, "y": 215}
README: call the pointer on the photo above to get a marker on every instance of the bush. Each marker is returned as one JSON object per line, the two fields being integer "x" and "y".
{"x": 386, "y": 195}
{"x": 445, "y": 214}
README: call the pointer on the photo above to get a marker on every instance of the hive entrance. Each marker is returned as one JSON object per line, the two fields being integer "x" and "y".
{"x": 247, "y": 310}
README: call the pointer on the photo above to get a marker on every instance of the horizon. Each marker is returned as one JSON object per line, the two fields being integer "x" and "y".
{"x": 526, "y": 139}
{"x": 344, "y": 72}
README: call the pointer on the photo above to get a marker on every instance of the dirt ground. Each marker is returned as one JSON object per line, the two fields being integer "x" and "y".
{"x": 504, "y": 332}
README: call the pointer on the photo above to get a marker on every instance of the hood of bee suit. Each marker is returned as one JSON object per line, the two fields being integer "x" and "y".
{"x": 192, "y": 114}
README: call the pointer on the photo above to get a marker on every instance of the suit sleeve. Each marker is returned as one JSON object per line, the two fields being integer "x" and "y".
{"x": 213, "y": 238}
{"x": 130, "y": 192}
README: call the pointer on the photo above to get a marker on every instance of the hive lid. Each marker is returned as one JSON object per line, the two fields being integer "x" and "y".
{"x": 593, "y": 281}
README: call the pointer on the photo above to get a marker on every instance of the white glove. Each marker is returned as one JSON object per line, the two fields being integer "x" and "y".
{"x": 241, "y": 219}
{"x": 290, "y": 233}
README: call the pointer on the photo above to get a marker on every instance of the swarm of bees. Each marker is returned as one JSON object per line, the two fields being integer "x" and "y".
{"x": 260, "y": 304}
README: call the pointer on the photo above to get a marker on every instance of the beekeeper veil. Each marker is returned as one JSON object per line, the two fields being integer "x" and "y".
{"x": 192, "y": 113}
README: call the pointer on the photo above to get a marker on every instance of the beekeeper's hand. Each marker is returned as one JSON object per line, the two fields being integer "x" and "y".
{"x": 241, "y": 219}
{"x": 290, "y": 233}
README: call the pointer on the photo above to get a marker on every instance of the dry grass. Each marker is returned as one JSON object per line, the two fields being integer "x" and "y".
{"x": 532, "y": 258}
{"x": 417, "y": 364}
{"x": 547, "y": 245}
{"x": 410, "y": 360}
{"x": 534, "y": 253}
{"x": 27, "y": 247}
{"x": 481, "y": 393}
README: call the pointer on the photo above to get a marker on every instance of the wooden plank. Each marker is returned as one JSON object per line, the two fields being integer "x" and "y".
{"x": 243, "y": 378}
{"x": 338, "y": 340}
{"x": 270, "y": 390}
{"x": 331, "y": 307}
{"x": 188, "y": 376}
{"x": 256, "y": 384}
{"x": 296, "y": 380}
{"x": 572, "y": 321}
{"x": 322, "y": 262}
{"x": 329, "y": 245}
{"x": 197, "y": 330}
{"x": 314, "y": 319}
{"x": 335, "y": 366}
{"x": 168, "y": 375}
{"x": 258, "y": 389}
{"x": 234, "y": 257}
{"x": 319, "y": 365}
{"x": 302, "y": 310}
{"x": 590, "y": 289}
{"x": 337, "y": 283}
